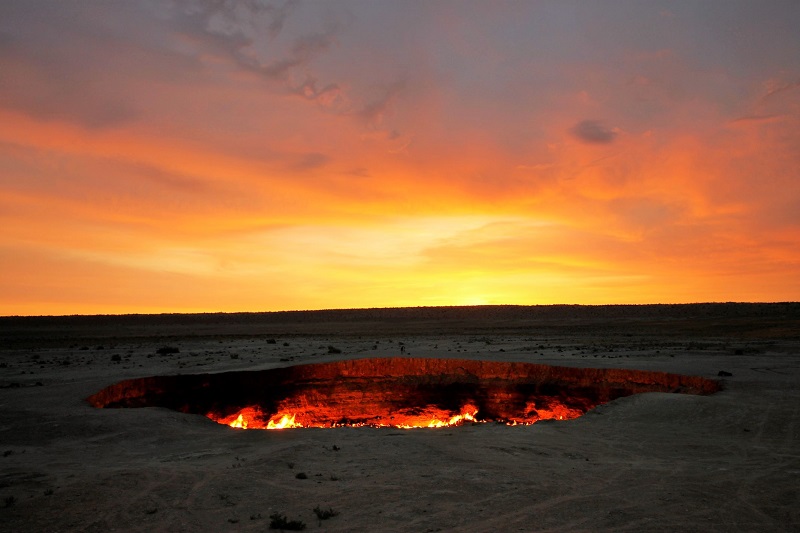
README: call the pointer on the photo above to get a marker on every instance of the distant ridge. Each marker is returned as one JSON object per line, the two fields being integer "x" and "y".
{"x": 426, "y": 312}
{"x": 730, "y": 318}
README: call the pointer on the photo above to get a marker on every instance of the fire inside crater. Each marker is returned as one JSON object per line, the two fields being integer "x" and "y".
{"x": 394, "y": 392}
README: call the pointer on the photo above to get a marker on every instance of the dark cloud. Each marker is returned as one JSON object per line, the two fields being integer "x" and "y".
{"x": 235, "y": 30}
{"x": 359, "y": 172}
{"x": 756, "y": 119}
{"x": 375, "y": 111}
{"x": 310, "y": 161}
{"x": 280, "y": 44}
{"x": 329, "y": 96}
{"x": 251, "y": 36}
{"x": 310, "y": 46}
{"x": 278, "y": 15}
{"x": 593, "y": 132}
{"x": 774, "y": 87}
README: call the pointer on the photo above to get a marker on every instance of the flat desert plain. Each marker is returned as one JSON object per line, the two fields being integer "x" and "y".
{"x": 729, "y": 461}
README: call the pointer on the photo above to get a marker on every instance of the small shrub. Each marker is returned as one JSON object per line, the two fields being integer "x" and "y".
{"x": 167, "y": 350}
{"x": 116, "y": 358}
{"x": 279, "y": 521}
{"x": 333, "y": 349}
{"x": 324, "y": 514}
{"x": 301, "y": 475}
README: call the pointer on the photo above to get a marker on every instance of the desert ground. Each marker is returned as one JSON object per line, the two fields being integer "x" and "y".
{"x": 650, "y": 462}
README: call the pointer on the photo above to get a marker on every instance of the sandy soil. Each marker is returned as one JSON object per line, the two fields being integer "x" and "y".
{"x": 651, "y": 462}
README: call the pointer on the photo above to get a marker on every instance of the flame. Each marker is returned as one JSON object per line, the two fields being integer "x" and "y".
{"x": 467, "y": 414}
{"x": 428, "y": 417}
{"x": 240, "y": 422}
{"x": 253, "y": 418}
{"x": 247, "y": 418}
{"x": 286, "y": 421}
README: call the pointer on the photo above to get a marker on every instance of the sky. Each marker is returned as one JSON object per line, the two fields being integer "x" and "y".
{"x": 205, "y": 156}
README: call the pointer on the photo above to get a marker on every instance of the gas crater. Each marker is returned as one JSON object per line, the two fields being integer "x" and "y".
{"x": 394, "y": 392}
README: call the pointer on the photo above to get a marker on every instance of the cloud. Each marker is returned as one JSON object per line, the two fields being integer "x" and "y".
{"x": 756, "y": 120}
{"x": 305, "y": 49}
{"x": 375, "y": 112}
{"x": 359, "y": 172}
{"x": 593, "y": 132}
{"x": 310, "y": 161}
{"x": 776, "y": 86}
{"x": 329, "y": 96}
{"x": 250, "y": 34}
{"x": 245, "y": 19}
{"x": 294, "y": 49}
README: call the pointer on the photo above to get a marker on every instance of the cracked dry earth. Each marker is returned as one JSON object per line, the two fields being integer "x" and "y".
{"x": 728, "y": 461}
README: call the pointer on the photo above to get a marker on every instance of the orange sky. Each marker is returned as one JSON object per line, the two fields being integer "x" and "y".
{"x": 252, "y": 156}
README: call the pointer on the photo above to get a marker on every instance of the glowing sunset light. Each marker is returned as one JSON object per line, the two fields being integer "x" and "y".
{"x": 194, "y": 156}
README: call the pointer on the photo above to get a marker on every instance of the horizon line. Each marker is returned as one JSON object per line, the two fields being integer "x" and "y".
{"x": 388, "y": 308}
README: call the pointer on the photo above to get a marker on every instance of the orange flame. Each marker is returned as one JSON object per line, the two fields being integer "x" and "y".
{"x": 286, "y": 421}
{"x": 468, "y": 413}
{"x": 240, "y": 422}
{"x": 253, "y": 418}
{"x": 428, "y": 417}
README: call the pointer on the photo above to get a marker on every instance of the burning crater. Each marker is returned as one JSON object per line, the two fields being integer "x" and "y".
{"x": 394, "y": 392}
